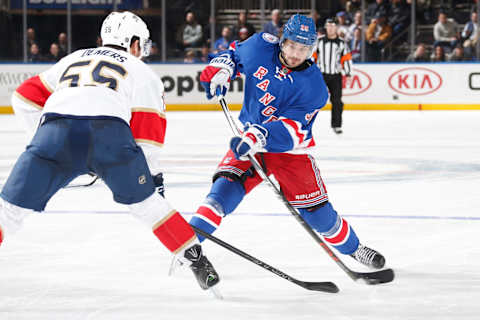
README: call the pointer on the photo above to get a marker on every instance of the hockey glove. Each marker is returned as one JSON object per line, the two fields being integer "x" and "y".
{"x": 158, "y": 181}
{"x": 215, "y": 81}
{"x": 252, "y": 141}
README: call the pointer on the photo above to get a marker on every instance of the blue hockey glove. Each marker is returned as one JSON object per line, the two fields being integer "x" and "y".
{"x": 215, "y": 80}
{"x": 158, "y": 181}
{"x": 252, "y": 141}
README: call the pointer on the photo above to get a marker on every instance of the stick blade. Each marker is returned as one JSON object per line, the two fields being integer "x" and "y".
{"x": 329, "y": 287}
{"x": 373, "y": 278}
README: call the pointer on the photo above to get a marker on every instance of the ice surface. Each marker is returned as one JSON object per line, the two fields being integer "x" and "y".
{"x": 407, "y": 181}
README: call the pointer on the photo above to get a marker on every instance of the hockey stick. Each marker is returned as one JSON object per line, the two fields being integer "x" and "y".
{"x": 315, "y": 286}
{"x": 377, "y": 277}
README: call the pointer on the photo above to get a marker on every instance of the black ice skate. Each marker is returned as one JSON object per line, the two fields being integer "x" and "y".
{"x": 203, "y": 270}
{"x": 369, "y": 257}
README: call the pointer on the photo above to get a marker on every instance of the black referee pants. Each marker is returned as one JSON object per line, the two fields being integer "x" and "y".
{"x": 334, "y": 85}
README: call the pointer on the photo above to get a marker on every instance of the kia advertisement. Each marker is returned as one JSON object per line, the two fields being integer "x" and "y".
{"x": 389, "y": 86}
{"x": 358, "y": 82}
{"x": 415, "y": 81}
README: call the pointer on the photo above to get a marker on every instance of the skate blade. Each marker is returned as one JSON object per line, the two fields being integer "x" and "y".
{"x": 174, "y": 266}
{"x": 215, "y": 292}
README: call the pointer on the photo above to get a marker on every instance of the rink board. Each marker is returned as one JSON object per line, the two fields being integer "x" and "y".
{"x": 347, "y": 106}
{"x": 443, "y": 86}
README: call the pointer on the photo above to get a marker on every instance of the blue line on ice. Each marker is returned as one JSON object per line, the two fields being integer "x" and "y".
{"x": 274, "y": 214}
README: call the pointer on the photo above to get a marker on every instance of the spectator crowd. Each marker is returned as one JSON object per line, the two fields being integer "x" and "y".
{"x": 196, "y": 43}
{"x": 386, "y": 25}
{"x": 56, "y": 51}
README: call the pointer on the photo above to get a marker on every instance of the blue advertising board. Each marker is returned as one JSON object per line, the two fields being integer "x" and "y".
{"x": 77, "y": 4}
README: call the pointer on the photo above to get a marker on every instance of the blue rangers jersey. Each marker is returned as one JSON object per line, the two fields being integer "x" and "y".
{"x": 285, "y": 102}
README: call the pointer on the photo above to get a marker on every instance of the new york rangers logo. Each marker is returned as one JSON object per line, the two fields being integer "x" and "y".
{"x": 304, "y": 27}
{"x": 282, "y": 73}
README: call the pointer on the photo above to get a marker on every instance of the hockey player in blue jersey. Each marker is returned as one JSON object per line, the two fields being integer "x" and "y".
{"x": 284, "y": 90}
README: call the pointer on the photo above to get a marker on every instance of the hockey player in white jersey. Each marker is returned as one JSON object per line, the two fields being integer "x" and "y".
{"x": 105, "y": 113}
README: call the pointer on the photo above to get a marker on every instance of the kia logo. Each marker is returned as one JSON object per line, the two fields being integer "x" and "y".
{"x": 357, "y": 83}
{"x": 415, "y": 81}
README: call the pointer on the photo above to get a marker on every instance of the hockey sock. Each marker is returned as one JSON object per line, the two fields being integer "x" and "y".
{"x": 334, "y": 228}
{"x": 206, "y": 218}
{"x": 342, "y": 238}
{"x": 228, "y": 193}
{"x": 11, "y": 218}
{"x": 174, "y": 232}
{"x": 224, "y": 197}
{"x": 168, "y": 225}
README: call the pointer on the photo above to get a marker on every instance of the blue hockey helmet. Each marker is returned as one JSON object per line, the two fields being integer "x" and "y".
{"x": 300, "y": 28}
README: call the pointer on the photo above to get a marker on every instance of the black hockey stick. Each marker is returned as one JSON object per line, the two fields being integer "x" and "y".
{"x": 377, "y": 277}
{"x": 315, "y": 286}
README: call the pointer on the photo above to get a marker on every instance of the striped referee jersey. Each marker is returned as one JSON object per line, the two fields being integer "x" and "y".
{"x": 333, "y": 56}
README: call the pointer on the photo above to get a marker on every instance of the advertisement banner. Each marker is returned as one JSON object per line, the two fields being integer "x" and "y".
{"x": 371, "y": 86}
{"x": 413, "y": 87}
{"x": 77, "y": 4}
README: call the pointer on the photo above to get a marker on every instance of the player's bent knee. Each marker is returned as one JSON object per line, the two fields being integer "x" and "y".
{"x": 11, "y": 217}
{"x": 322, "y": 218}
{"x": 227, "y": 194}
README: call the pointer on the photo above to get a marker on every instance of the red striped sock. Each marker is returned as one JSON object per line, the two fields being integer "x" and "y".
{"x": 209, "y": 215}
{"x": 341, "y": 236}
{"x": 174, "y": 232}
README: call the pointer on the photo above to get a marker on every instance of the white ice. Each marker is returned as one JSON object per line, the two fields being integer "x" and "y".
{"x": 407, "y": 181}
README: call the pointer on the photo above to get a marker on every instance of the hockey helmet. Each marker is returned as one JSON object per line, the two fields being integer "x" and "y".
{"x": 301, "y": 29}
{"x": 119, "y": 28}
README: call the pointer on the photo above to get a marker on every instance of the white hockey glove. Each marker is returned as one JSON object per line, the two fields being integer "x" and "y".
{"x": 215, "y": 78}
{"x": 220, "y": 80}
{"x": 253, "y": 140}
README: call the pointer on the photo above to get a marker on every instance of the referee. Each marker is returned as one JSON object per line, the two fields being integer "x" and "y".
{"x": 333, "y": 59}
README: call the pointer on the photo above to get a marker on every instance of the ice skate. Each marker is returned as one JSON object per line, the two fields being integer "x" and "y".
{"x": 369, "y": 257}
{"x": 202, "y": 268}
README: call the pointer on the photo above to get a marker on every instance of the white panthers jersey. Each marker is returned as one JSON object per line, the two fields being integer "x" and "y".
{"x": 102, "y": 82}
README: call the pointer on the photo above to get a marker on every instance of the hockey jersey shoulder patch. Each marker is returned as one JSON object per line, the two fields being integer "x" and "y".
{"x": 268, "y": 37}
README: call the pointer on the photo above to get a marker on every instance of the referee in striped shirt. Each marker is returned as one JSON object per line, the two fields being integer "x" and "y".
{"x": 333, "y": 59}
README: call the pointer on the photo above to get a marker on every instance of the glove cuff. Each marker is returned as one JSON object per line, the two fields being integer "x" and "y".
{"x": 257, "y": 135}
{"x": 223, "y": 62}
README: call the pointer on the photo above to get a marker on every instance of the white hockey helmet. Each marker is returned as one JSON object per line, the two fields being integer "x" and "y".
{"x": 119, "y": 28}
